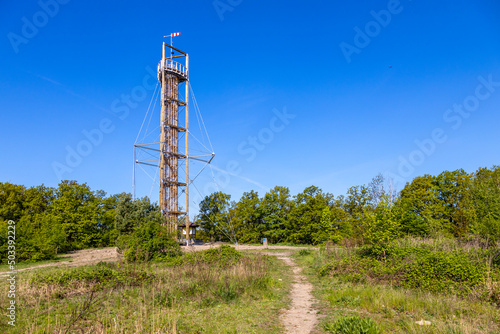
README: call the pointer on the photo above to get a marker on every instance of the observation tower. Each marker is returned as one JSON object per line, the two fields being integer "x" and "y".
{"x": 173, "y": 73}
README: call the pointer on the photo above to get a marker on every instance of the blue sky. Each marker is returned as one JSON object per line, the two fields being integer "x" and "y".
{"x": 368, "y": 87}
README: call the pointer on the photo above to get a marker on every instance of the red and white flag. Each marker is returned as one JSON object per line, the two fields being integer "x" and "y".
{"x": 173, "y": 34}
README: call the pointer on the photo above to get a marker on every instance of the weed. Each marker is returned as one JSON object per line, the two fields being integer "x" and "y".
{"x": 352, "y": 325}
{"x": 346, "y": 300}
{"x": 305, "y": 252}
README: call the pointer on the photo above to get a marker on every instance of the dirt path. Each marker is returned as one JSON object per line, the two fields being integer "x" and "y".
{"x": 78, "y": 258}
{"x": 301, "y": 317}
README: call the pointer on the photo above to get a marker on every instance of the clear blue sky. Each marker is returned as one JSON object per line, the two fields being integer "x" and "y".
{"x": 363, "y": 87}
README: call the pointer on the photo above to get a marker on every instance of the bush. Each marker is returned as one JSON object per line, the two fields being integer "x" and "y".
{"x": 149, "y": 242}
{"x": 103, "y": 274}
{"x": 305, "y": 252}
{"x": 436, "y": 267}
{"x": 445, "y": 272}
{"x": 352, "y": 325}
{"x": 223, "y": 256}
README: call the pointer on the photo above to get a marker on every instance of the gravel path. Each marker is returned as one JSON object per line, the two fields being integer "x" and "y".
{"x": 78, "y": 258}
{"x": 301, "y": 318}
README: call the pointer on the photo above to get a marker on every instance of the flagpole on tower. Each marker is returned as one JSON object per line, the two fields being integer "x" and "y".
{"x": 175, "y": 34}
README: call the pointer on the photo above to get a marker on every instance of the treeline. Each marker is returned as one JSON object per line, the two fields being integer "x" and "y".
{"x": 455, "y": 204}
{"x": 50, "y": 221}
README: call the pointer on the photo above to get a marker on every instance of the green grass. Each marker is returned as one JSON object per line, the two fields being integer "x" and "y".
{"x": 352, "y": 325}
{"x": 393, "y": 309}
{"x": 268, "y": 250}
{"x": 213, "y": 295}
{"x": 29, "y": 264}
{"x": 288, "y": 244}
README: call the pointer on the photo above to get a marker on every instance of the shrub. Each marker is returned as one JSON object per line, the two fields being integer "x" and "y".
{"x": 103, "y": 274}
{"x": 495, "y": 258}
{"x": 305, "y": 252}
{"x": 435, "y": 267}
{"x": 149, "y": 242}
{"x": 325, "y": 269}
{"x": 352, "y": 325}
{"x": 381, "y": 228}
{"x": 224, "y": 255}
{"x": 444, "y": 272}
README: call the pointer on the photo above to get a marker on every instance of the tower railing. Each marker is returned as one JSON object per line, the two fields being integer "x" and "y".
{"x": 173, "y": 66}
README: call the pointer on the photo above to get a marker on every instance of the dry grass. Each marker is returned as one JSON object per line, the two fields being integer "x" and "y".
{"x": 186, "y": 298}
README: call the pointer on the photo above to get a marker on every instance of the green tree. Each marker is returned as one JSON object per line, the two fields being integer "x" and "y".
{"x": 420, "y": 208}
{"x": 38, "y": 231}
{"x": 325, "y": 227}
{"x": 306, "y": 214}
{"x": 455, "y": 198}
{"x": 214, "y": 217}
{"x": 12, "y": 197}
{"x": 340, "y": 225}
{"x": 80, "y": 212}
{"x": 381, "y": 188}
{"x": 485, "y": 196}
{"x": 50, "y": 221}
{"x": 382, "y": 228}
{"x": 275, "y": 207}
{"x": 357, "y": 202}
{"x": 130, "y": 214}
{"x": 248, "y": 221}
